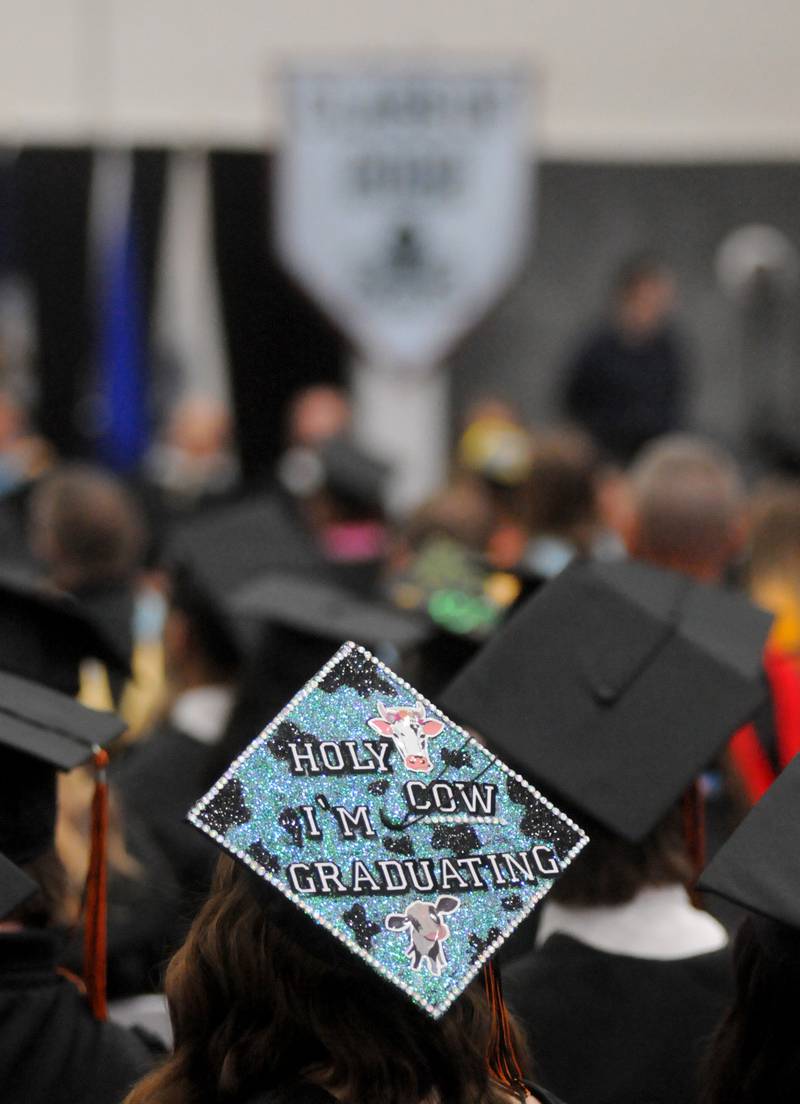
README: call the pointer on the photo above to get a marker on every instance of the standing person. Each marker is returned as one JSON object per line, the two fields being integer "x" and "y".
{"x": 613, "y": 687}
{"x": 754, "y": 1056}
{"x": 332, "y": 965}
{"x": 54, "y": 1048}
{"x": 627, "y": 383}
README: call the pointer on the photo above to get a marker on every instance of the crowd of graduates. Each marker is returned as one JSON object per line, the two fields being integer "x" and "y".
{"x": 622, "y": 626}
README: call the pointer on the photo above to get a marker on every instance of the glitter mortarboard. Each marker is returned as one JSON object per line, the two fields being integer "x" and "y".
{"x": 391, "y": 826}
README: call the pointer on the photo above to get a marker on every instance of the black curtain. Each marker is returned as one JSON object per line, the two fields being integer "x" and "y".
{"x": 278, "y": 341}
{"x": 52, "y": 189}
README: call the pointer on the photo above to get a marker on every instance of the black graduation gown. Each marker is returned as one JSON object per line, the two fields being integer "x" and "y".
{"x": 52, "y": 1051}
{"x": 159, "y": 781}
{"x": 614, "y": 1029}
{"x": 144, "y": 926}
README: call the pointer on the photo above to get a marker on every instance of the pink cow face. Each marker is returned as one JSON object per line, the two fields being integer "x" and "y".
{"x": 408, "y": 729}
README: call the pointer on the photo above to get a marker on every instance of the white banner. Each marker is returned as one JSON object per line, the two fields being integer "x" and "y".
{"x": 404, "y": 201}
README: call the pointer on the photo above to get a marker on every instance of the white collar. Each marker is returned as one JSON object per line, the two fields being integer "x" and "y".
{"x": 203, "y": 712}
{"x": 659, "y": 923}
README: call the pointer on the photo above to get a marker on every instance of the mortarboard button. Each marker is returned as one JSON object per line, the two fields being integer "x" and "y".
{"x": 391, "y": 827}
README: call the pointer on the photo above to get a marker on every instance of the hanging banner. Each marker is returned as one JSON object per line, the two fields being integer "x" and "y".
{"x": 404, "y": 201}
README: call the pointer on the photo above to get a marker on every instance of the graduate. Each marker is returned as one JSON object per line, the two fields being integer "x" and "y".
{"x": 49, "y": 638}
{"x": 754, "y": 1055}
{"x": 375, "y": 858}
{"x": 55, "y": 1047}
{"x": 612, "y": 689}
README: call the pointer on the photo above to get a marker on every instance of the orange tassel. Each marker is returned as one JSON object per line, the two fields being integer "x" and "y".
{"x": 502, "y": 1060}
{"x": 694, "y": 831}
{"x": 94, "y": 932}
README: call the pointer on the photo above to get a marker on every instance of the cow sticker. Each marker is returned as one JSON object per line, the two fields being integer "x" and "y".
{"x": 427, "y": 932}
{"x": 409, "y": 730}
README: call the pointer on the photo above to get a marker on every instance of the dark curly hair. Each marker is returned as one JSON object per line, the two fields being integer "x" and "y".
{"x": 259, "y": 995}
{"x": 754, "y": 1056}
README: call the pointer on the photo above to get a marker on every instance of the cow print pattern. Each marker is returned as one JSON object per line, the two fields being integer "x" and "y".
{"x": 530, "y": 820}
{"x": 481, "y": 944}
{"x": 361, "y": 926}
{"x": 360, "y": 674}
{"x": 291, "y": 823}
{"x": 399, "y": 845}
{"x": 461, "y": 839}
{"x": 512, "y": 903}
{"x": 379, "y": 787}
{"x": 227, "y": 808}
{"x": 287, "y": 734}
{"x": 263, "y": 857}
{"x": 456, "y": 758}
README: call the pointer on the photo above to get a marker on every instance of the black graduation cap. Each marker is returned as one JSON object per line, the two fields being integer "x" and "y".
{"x": 15, "y": 887}
{"x": 229, "y": 545}
{"x": 757, "y": 867}
{"x": 41, "y": 731}
{"x": 353, "y": 474}
{"x": 329, "y": 613}
{"x": 615, "y": 686}
{"x": 45, "y": 635}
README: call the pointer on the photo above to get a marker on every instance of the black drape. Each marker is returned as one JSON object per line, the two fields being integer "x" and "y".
{"x": 277, "y": 340}
{"x": 53, "y": 193}
{"x": 53, "y": 196}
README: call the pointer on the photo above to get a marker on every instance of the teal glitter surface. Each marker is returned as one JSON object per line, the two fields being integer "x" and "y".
{"x": 391, "y": 826}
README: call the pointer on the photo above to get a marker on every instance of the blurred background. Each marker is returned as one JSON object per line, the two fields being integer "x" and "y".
{"x": 651, "y": 128}
{"x": 362, "y": 320}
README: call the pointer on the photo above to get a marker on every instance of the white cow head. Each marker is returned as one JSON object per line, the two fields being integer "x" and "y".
{"x": 427, "y": 932}
{"x": 409, "y": 730}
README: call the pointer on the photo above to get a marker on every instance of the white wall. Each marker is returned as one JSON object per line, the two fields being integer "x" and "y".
{"x": 618, "y": 78}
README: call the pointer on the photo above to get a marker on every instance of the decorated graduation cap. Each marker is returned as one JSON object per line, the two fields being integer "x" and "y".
{"x": 41, "y": 732}
{"x": 15, "y": 887}
{"x": 391, "y": 827}
{"x": 329, "y": 613}
{"x": 615, "y": 686}
{"x": 757, "y": 867}
{"x": 45, "y": 635}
